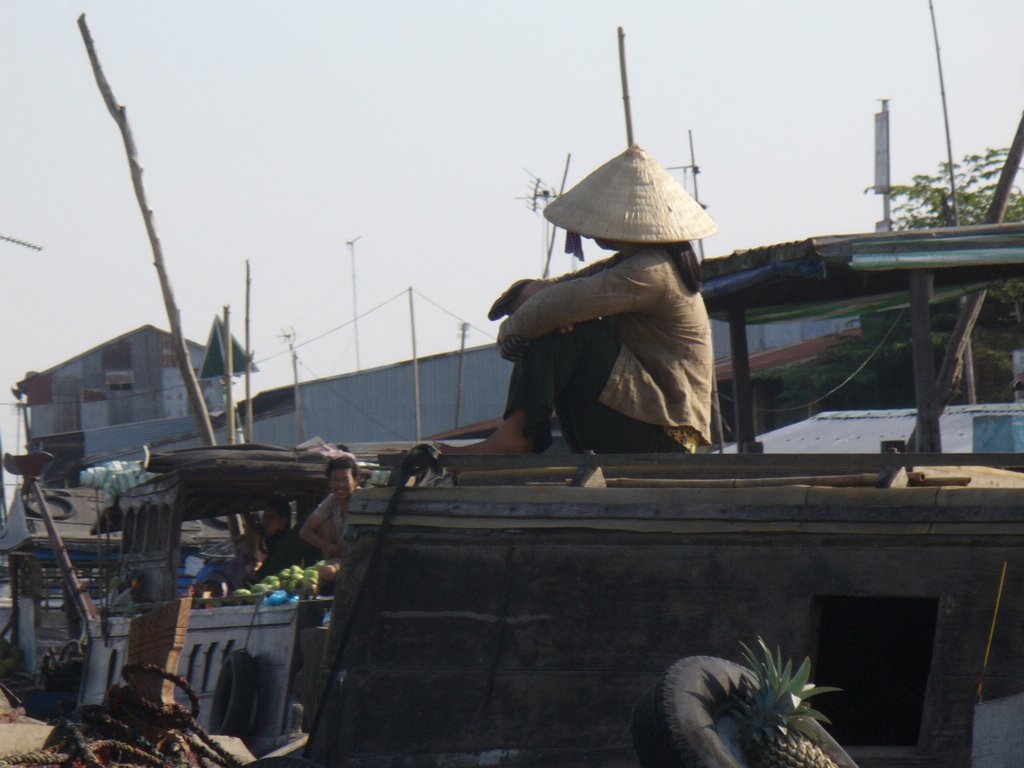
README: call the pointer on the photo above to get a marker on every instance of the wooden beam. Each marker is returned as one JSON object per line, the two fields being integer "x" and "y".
{"x": 926, "y": 433}
{"x": 743, "y": 403}
{"x": 804, "y": 463}
{"x": 957, "y": 356}
{"x": 157, "y": 637}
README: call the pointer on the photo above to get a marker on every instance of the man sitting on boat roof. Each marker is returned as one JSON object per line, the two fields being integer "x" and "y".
{"x": 621, "y": 350}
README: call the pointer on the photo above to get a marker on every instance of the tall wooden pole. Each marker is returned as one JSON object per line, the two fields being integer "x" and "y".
{"x": 997, "y": 209}
{"x": 188, "y": 374}
{"x": 625, "y": 88}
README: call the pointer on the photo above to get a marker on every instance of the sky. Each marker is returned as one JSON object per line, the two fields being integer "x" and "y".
{"x": 276, "y": 133}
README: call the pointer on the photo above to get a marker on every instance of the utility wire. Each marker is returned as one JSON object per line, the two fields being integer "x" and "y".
{"x": 845, "y": 381}
{"x": 335, "y": 329}
{"x": 452, "y": 314}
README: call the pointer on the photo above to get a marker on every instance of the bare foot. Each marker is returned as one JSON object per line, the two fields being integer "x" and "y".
{"x": 507, "y": 438}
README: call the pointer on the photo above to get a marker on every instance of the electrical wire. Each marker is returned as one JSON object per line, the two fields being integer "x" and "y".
{"x": 452, "y": 314}
{"x": 839, "y": 386}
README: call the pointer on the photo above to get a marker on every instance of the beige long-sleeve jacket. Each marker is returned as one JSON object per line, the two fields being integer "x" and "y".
{"x": 663, "y": 372}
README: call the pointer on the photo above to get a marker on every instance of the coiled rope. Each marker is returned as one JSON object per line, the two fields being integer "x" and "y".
{"x": 130, "y": 730}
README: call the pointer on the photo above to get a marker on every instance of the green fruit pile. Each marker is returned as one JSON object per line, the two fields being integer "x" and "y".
{"x": 10, "y": 657}
{"x": 295, "y": 579}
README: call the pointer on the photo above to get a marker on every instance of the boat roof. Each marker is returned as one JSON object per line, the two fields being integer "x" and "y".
{"x": 214, "y": 482}
{"x": 847, "y": 275}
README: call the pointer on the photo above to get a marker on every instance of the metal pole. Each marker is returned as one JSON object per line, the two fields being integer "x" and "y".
{"x": 625, "y": 87}
{"x": 297, "y": 394}
{"x": 355, "y": 315}
{"x": 415, "y": 369}
{"x": 945, "y": 117}
{"x": 228, "y": 350}
{"x": 883, "y": 186}
{"x": 551, "y": 242}
{"x": 696, "y": 194}
{"x": 458, "y": 387}
{"x": 248, "y": 360}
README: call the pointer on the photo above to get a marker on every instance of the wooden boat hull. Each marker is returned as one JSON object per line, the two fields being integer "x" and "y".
{"x": 519, "y": 625}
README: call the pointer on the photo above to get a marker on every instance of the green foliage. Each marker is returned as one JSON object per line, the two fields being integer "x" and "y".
{"x": 926, "y": 202}
{"x": 887, "y": 379}
{"x": 777, "y": 702}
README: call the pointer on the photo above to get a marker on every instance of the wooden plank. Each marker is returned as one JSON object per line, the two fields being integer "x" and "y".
{"x": 157, "y": 637}
{"x": 736, "y": 465}
{"x": 835, "y": 481}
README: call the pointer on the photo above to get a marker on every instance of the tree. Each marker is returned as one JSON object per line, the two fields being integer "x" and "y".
{"x": 886, "y": 380}
{"x": 925, "y": 203}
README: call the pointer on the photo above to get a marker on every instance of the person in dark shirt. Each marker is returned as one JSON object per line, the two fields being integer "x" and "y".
{"x": 282, "y": 543}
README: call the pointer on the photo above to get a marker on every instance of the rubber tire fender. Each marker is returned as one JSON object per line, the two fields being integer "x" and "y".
{"x": 234, "y": 706}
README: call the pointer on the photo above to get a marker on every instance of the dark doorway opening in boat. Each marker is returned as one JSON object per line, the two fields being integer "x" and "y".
{"x": 879, "y": 651}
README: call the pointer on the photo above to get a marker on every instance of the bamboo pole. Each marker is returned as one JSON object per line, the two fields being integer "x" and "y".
{"x": 835, "y": 481}
{"x": 991, "y": 634}
{"x": 188, "y": 374}
{"x": 625, "y": 88}
{"x": 955, "y": 210}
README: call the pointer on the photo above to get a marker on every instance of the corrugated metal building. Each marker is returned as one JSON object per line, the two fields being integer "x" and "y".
{"x": 378, "y": 405}
{"x": 132, "y": 378}
{"x": 372, "y": 406}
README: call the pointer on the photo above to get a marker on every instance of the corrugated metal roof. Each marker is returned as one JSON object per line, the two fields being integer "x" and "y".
{"x": 377, "y": 405}
{"x": 125, "y": 441}
{"x": 864, "y": 431}
{"x": 196, "y": 350}
{"x": 848, "y": 275}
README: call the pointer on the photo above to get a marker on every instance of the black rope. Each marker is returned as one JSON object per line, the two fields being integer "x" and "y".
{"x": 402, "y": 475}
{"x": 130, "y": 730}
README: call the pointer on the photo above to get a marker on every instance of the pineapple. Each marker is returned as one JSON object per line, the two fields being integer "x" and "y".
{"x": 772, "y": 714}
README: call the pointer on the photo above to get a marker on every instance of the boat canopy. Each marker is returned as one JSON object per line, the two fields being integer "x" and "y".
{"x": 849, "y": 275}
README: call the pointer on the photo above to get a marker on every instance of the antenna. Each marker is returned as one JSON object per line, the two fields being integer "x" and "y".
{"x": 355, "y": 317}
{"x": 289, "y": 336}
{"x": 22, "y": 243}
{"x": 693, "y": 169}
{"x": 540, "y": 193}
{"x": 945, "y": 116}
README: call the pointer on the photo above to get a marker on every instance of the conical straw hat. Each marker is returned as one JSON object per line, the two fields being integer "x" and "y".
{"x": 632, "y": 199}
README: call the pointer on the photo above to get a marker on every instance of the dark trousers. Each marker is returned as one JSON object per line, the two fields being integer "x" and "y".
{"x": 565, "y": 373}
